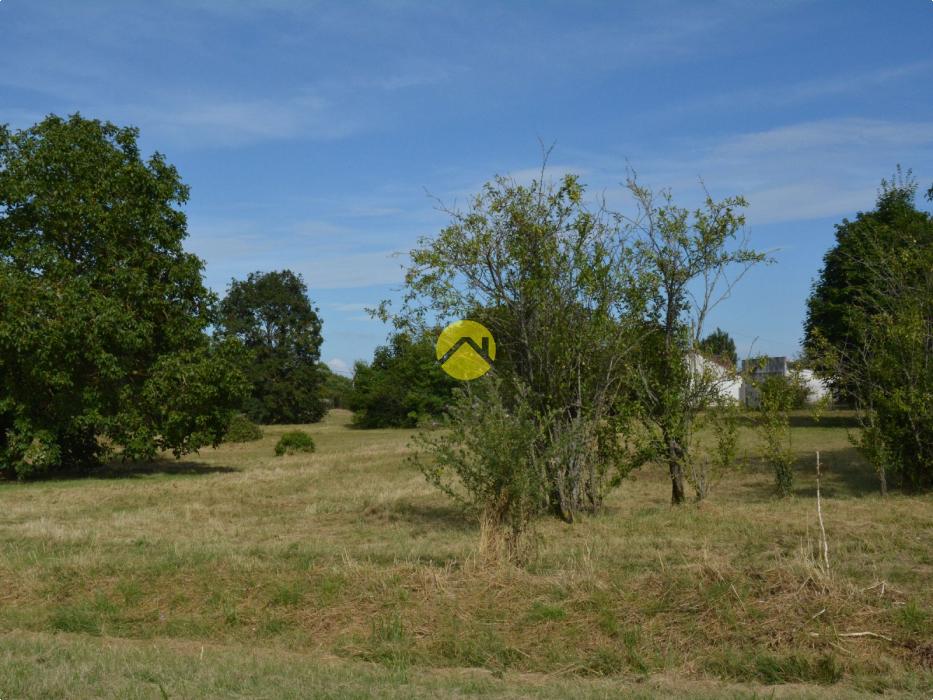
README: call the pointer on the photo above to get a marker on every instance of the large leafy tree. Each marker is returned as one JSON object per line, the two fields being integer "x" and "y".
{"x": 401, "y": 385}
{"x": 102, "y": 312}
{"x": 870, "y": 331}
{"x": 842, "y": 297}
{"x": 271, "y": 314}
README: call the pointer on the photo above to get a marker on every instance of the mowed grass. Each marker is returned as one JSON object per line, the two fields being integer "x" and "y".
{"x": 235, "y": 573}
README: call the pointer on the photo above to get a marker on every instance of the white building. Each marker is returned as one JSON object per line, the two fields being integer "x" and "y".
{"x": 726, "y": 382}
{"x": 733, "y": 385}
{"x": 817, "y": 389}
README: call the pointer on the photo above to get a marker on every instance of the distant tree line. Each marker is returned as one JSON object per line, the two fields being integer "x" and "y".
{"x": 402, "y": 386}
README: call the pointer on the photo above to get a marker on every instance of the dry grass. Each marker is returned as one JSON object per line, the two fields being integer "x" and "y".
{"x": 344, "y": 573}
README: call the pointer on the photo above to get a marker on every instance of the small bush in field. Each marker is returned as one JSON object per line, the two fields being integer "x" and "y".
{"x": 242, "y": 429}
{"x": 490, "y": 461}
{"x": 778, "y": 398}
{"x": 294, "y": 441}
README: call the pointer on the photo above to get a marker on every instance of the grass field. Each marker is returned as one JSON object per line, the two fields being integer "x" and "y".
{"x": 235, "y": 573}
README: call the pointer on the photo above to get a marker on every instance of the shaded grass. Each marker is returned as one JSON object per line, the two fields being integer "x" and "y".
{"x": 348, "y": 553}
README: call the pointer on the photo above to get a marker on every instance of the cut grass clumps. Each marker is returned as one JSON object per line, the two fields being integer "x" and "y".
{"x": 772, "y": 669}
{"x": 294, "y": 441}
{"x": 242, "y": 429}
{"x": 376, "y": 568}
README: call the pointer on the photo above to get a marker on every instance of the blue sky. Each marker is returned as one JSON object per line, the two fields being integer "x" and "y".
{"x": 310, "y": 132}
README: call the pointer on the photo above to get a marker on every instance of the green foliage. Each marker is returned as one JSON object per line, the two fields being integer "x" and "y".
{"x": 490, "y": 460}
{"x": 592, "y": 321}
{"x": 548, "y": 277}
{"x": 893, "y": 375}
{"x": 777, "y": 397}
{"x": 242, "y": 429}
{"x": 683, "y": 261}
{"x": 844, "y": 297}
{"x": 270, "y": 313}
{"x": 335, "y": 388}
{"x": 720, "y": 346}
{"x": 870, "y": 330}
{"x": 294, "y": 441}
{"x": 402, "y": 385}
{"x": 721, "y": 459}
{"x": 102, "y": 312}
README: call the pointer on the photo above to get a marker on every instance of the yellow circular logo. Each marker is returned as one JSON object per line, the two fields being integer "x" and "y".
{"x": 465, "y": 350}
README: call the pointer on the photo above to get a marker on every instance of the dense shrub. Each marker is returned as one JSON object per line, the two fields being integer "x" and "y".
{"x": 294, "y": 441}
{"x": 870, "y": 331}
{"x": 242, "y": 429}
{"x": 404, "y": 385}
{"x": 492, "y": 461}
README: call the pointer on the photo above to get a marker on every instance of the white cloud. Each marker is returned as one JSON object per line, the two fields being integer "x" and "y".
{"x": 818, "y": 137}
{"x": 818, "y": 169}
{"x": 785, "y": 94}
{"x": 339, "y": 366}
{"x": 349, "y": 307}
{"x": 792, "y": 172}
{"x": 228, "y": 122}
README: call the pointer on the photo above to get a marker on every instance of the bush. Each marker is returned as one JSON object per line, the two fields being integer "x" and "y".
{"x": 401, "y": 386}
{"x": 490, "y": 462}
{"x": 242, "y": 429}
{"x": 778, "y": 397}
{"x": 294, "y": 441}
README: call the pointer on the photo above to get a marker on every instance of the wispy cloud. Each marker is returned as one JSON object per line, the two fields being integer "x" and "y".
{"x": 339, "y": 366}
{"x": 792, "y": 172}
{"x": 357, "y": 307}
{"x": 793, "y": 93}
{"x": 351, "y": 270}
{"x": 824, "y": 168}
{"x": 818, "y": 137}
{"x": 221, "y": 121}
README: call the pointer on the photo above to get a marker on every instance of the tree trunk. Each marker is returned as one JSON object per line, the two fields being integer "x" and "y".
{"x": 675, "y": 462}
{"x": 678, "y": 496}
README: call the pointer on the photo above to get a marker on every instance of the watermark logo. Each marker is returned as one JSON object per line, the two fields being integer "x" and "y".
{"x": 465, "y": 350}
